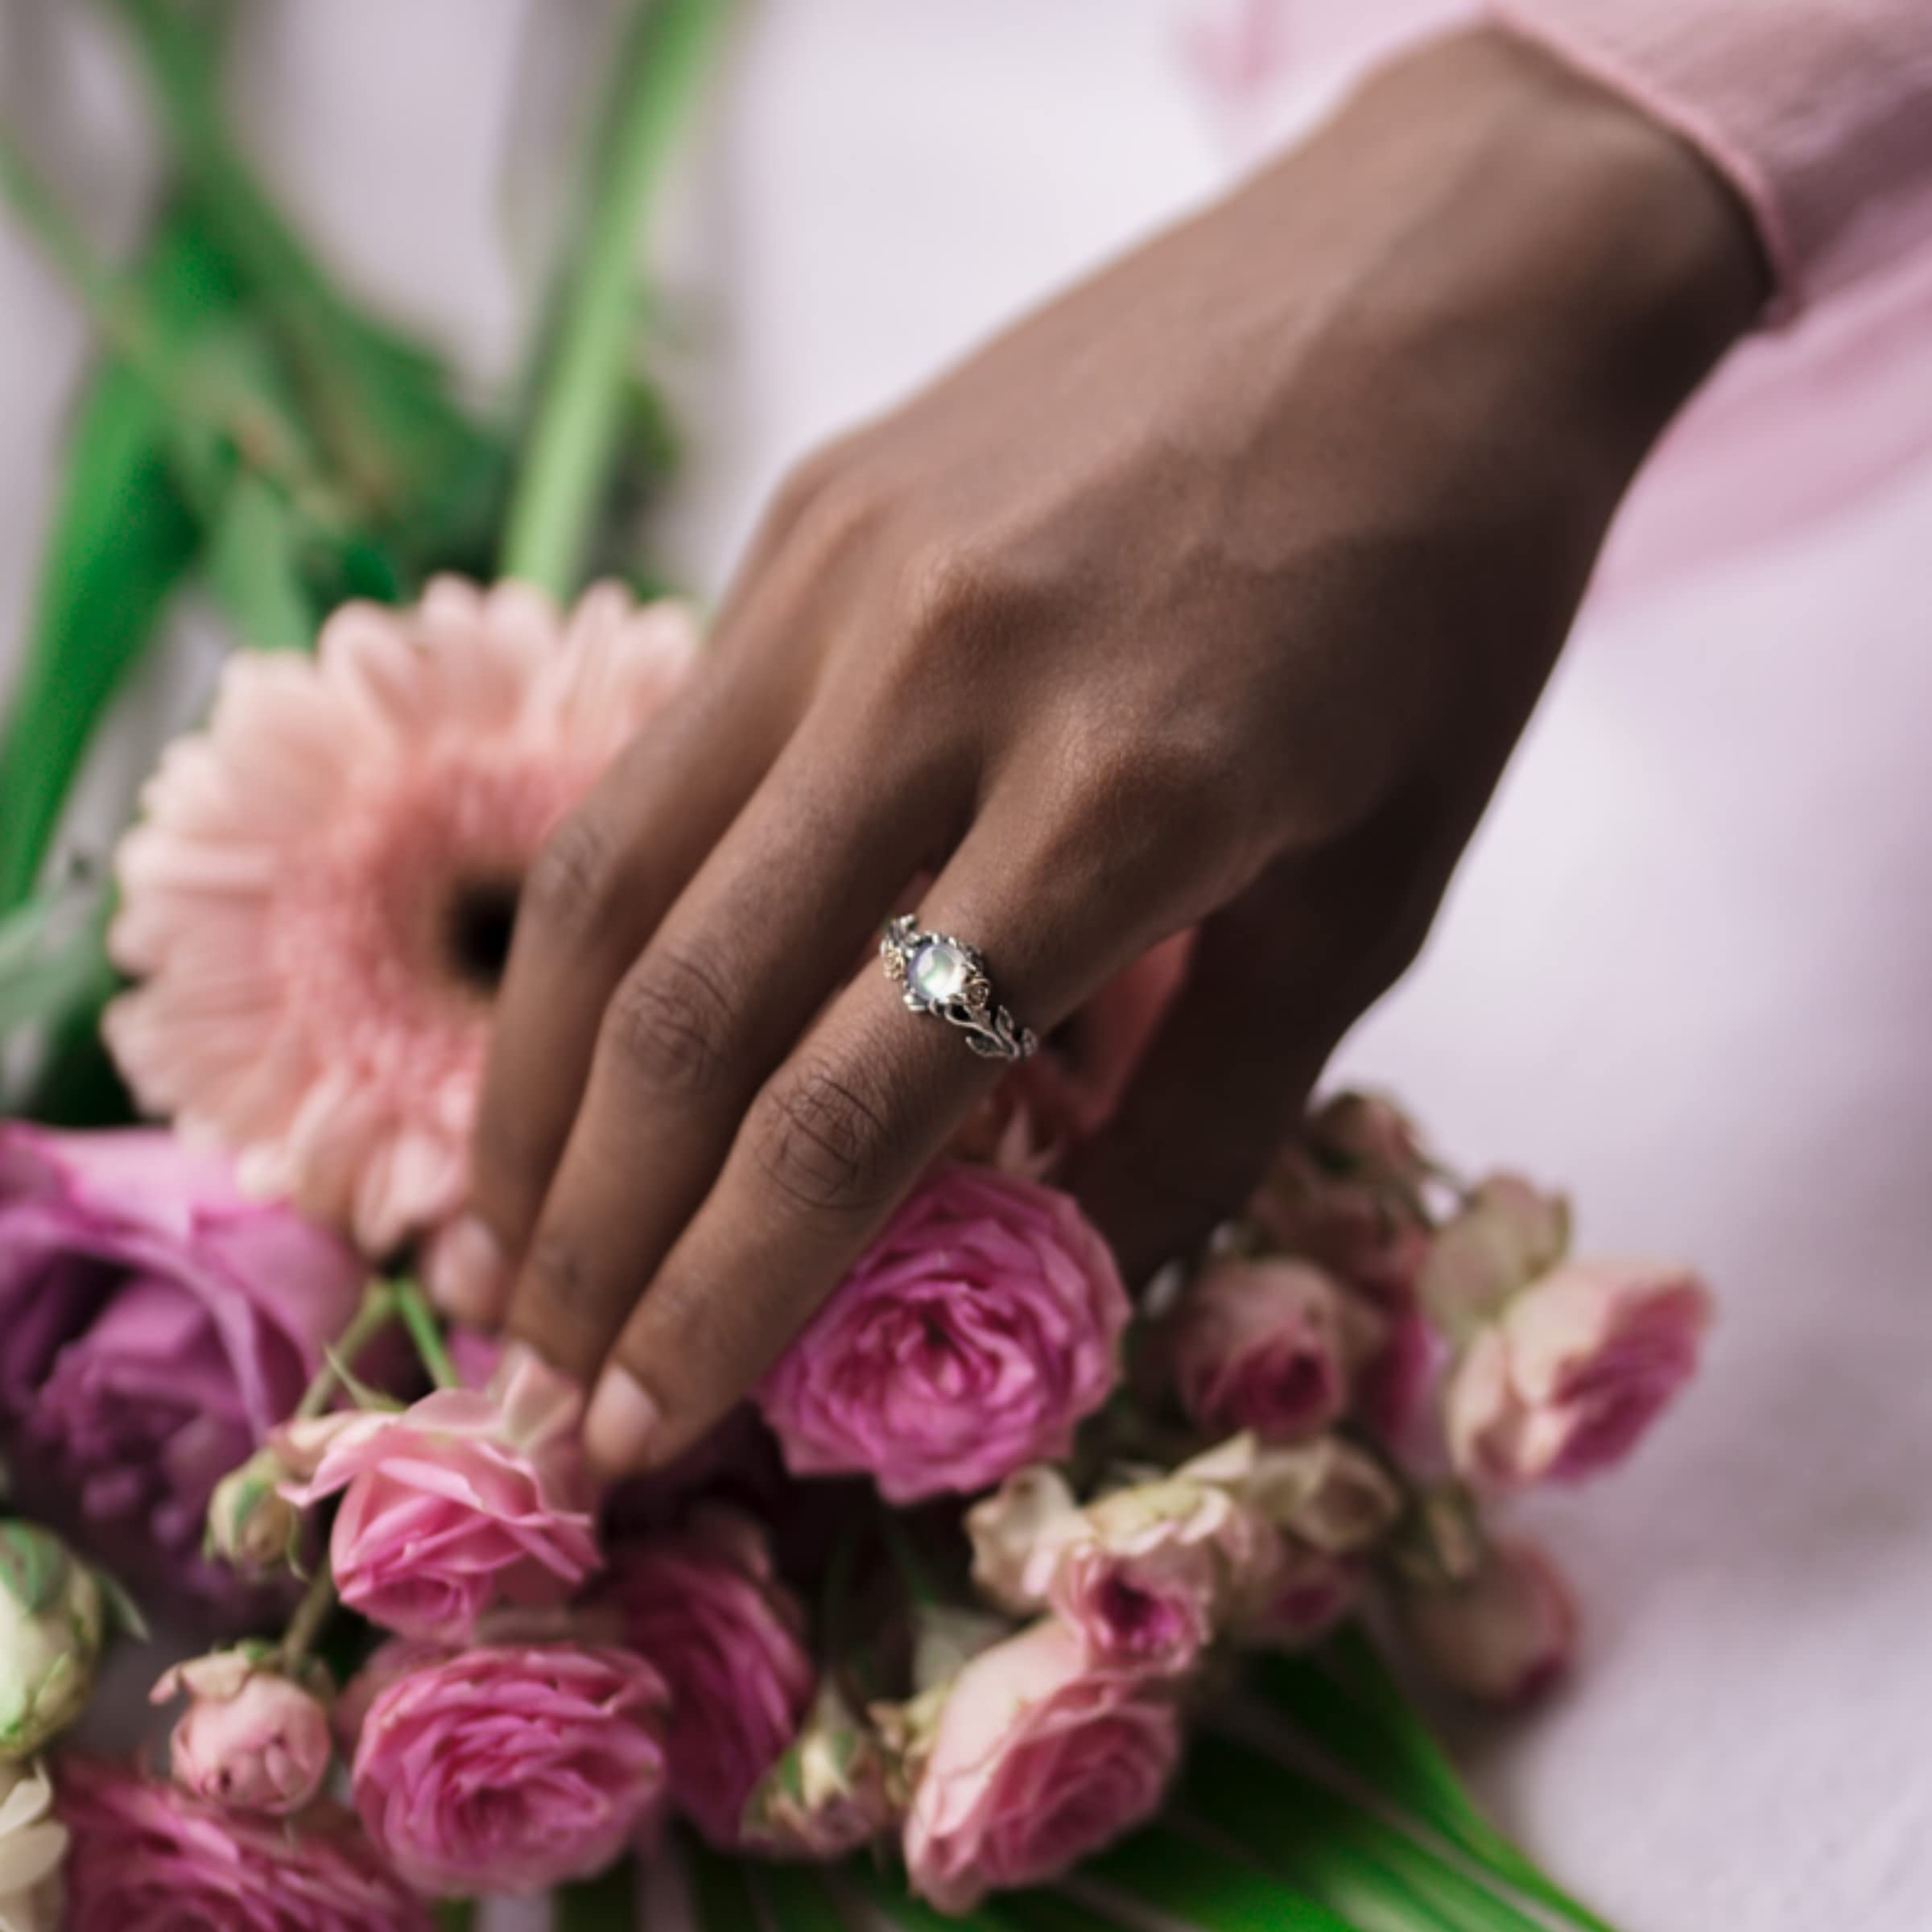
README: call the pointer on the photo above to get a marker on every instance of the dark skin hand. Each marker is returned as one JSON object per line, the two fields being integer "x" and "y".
{"x": 1215, "y": 592}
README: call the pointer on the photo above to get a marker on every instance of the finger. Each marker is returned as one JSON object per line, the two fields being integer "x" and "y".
{"x": 1277, "y": 978}
{"x": 602, "y": 880}
{"x": 832, "y": 1142}
{"x": 769, "y": 928}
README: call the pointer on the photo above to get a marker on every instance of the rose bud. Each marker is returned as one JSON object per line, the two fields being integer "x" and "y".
{"x": 33, "y": 1842}
{"x": 828, "y": 1795}
{"x": 1299, "y": 1598}
{"x": 1018, "y": 1533}
{"x": 1503, "y": 1637}
{"x": 1326, "y": 1492}
{"x": 53, "y": 1625}
{"x": 251, "y": 1736}
{"x": 1506, "y": 1233}
{"x": 1039, "y": 1759}
{"x": 251, "y": 1526}
{"x": 1571, "y": 1378}
{"x": 1271, "y": 1345}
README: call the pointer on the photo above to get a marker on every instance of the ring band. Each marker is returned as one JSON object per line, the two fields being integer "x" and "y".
{"x": 941, "y": 975}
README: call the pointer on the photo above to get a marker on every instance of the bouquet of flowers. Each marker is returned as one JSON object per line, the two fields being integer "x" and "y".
{"x": 1002, "y": 1600}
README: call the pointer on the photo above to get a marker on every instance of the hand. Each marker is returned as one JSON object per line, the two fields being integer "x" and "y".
{"x": 1215, "y": 592}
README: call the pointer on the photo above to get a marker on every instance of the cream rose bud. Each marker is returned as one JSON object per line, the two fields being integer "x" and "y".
{"x": 1571, "y": 1375}
{"x": 1017, "y": 1535}
{"x": 33, "y": 1844}
{"x": 1329, "y": 1492}
{"x": 1506, "y": 1635}
{"x": 830, "y": 1794}
{"x": 252, "y": 1737}
{"x": 1507, "y": 1232}
{"x": 53, "y": 1625}
{"x": 251, "y": 1526}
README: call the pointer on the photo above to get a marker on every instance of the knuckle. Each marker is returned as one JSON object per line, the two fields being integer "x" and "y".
{"x": 670, "y": 1023}
{"x": 574, "y": 885}
{"x": 821, "y": 1142}
{"x": 950, "y": 590}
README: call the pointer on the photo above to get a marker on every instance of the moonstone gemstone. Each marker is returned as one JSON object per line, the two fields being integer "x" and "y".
{"x": 938, "y": 971}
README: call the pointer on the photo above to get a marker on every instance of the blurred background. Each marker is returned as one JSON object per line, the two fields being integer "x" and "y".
{"x": 1684, "y": 970}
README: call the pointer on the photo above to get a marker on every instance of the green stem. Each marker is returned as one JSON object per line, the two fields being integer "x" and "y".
{"x": 572, "y": 439}
{"x": 420, "y": 1319}
{"x": 608, "y": 1903}
{"x": 378, "y": 1310}
{"x": 905, "y": 1558}
{"x": 317, "y": 1606}
{"x": 118, "y": 308}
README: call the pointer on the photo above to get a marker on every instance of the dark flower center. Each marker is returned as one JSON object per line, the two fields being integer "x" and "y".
{"x": 482, "y": 915}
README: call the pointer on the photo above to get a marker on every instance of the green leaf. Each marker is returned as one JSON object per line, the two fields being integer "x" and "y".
{"x": 123, "y": 535}
{"x": 1354, "y": 1862}
{"x": 913, "y": 1914}
{"x": 254, "y": 563}
{"x": 1214, "y": 1890}
{"x": 456, "y": 1914}
{"x": 1347, "y": 1700}
{"x": 608, "y": 1903}
{"x": 53, "y": 962}
{"x": 34, "y": 1565}
{"x": 721, "y": 1896}
{"x": 798, "y": 1899}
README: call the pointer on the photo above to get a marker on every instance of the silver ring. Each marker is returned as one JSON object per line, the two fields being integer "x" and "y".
{"x": 938, "y": 974}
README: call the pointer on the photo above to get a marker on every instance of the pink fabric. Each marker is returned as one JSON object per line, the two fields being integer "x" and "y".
{"x": 1819, "y": 111}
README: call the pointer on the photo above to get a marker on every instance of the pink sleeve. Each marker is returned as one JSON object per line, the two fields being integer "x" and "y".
{"x": 1819, "y": 112}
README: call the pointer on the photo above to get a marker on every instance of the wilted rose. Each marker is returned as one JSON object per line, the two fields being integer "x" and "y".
{"x": 829, "y": 1794}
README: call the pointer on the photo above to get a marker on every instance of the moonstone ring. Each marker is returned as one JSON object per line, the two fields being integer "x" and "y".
{"x": 947, "y": 977}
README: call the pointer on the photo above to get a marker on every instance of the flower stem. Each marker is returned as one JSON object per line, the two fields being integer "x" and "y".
{"x": 419, "y": 1319}
{"x": 572, "y": 438}
{"x": 905, "y": 1558}
{"x": 317, "y": 1606}
{"x": 605, "y": 1904}
{"x": 378, "y": 1310}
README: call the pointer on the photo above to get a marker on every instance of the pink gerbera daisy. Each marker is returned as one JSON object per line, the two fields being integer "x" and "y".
{"x": 320, "y": 897}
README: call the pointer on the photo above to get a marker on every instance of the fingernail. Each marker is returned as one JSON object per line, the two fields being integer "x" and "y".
{"x": 467, "y": 1272}
{"x": 623, "y": 1418}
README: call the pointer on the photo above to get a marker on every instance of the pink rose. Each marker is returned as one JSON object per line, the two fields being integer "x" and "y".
{"x": 1507, "y": 1232}
{"x": 157, "y": 1325}
{"x": 971, "y": 1337}
{"x": 250, "y": 1737}
{"x": 1574, "y": 1372}
{"x": 1039, "y": 1760}
{"x": 1348, "y": 1195}
{"x": 147, "y": 1854}
{"x": 706, "y": 1608}
{"x": 1269, "y": 1345}
{"x": 465, "y": 1500}
{"x": 1505, "y": 1635}
{"x": 1306, "y": 1594}
{"x": 509, "y": 1768}
{"x": 1146, "y": 1576}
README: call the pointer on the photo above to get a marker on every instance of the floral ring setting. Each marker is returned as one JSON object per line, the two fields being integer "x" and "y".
{"x": 945, "y": 976}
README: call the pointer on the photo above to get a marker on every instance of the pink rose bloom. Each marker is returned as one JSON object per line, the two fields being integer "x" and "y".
{"x": 158, "y": 1325}
{"x": 1573, "y": 1373}
{"x": 1269, "y": 1345}
{"x": 146, "y": 1856}
{"x": 465, "y": 1500}
{"x": 510, "y": 1768}
{"x": 1506, "y": 1635}
{"x": 250, "y": 1737}
{"x": 973, "y": 1335}
{"x": 1506, "y": 1233}
{"x": 706, "y": 1608}
{"x": 1039, "y": 1760}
